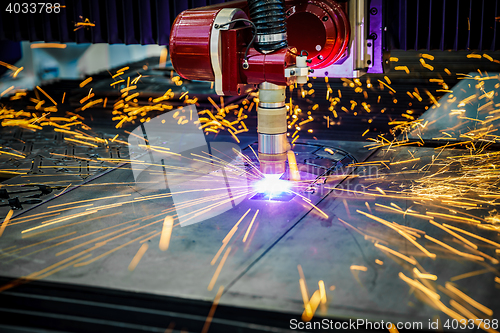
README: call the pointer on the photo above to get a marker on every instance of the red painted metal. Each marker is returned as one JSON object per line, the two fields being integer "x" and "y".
{"x": 268, "y": 67}
{"x": 232, "y": 41}
{"x": 190, "y": 44}
{"x": 320, "y": 27}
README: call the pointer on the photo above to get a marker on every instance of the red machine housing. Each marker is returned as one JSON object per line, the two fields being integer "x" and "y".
{"x": 319, "y": 27}
{"x": 190, "y": 44}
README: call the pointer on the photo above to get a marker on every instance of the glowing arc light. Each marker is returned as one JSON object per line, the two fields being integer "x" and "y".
{"x": 272, "y": 184}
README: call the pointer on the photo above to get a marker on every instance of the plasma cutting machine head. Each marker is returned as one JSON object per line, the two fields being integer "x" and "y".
{"x": 271, "y": 44}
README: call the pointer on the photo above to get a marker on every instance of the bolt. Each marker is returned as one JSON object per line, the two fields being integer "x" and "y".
{"x": 292, "y": 72}
{"x": 373, "y": 11}
{"x": 320, "y": 57}
{"x": 325, "y": 18}
{"x": 369, "y": 62}
{"x": 311, "y": 71}
{"x": 369, "y": 44}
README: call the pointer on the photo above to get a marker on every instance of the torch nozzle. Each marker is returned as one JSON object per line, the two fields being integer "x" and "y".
{"x": 272, "y": 127}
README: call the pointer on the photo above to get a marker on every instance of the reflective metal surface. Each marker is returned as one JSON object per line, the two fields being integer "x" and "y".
{"x": 273, "y": 143}
{"x": 395, "y": 230}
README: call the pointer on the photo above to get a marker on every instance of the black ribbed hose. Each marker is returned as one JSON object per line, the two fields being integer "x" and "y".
{"x": 270, "y": 19}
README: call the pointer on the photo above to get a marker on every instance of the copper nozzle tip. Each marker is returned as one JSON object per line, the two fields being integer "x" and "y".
{"x": 272, "y": 164}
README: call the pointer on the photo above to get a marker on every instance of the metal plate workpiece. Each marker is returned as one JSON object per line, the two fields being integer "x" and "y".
{"x": 90, "y": 235}
{"x": 99, "y": 238}
{"x": 351, "y": 250}
{"x": 44, "y": 164}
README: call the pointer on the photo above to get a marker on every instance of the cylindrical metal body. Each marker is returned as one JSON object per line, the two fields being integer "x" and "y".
{"x": 190, "y": 44}
{"x": 201, "y": 50}
{"x": 272, "y": 127}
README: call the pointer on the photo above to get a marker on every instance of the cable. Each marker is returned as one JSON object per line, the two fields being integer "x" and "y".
{"x": 254, "y": 34}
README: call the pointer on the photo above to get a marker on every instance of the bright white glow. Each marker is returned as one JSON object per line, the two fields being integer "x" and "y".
{"x": 272, "y": 184}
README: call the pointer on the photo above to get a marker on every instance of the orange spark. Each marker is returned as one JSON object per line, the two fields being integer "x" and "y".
{"x": 322, "y": 291}
{"x": 81, "y": 142}
{"x": 137, "y": 257}
{"x": 406, "y": 161}
{"x": 393, "y": 329}
{"x": 206, "y": 326}
{"x": 250, "y": 226}
{"x": 48, "y": 46}
{"x": 468, "y": 299}
{"x": 452, "y": 249}
{"x": 472, "y": 235}
{"x": 43, "y": 92}
{"x": 163, "y": 57}
{"x": 469, "y": 274}
{"x": 416, "y": 284}
{"x": 424, "y": 275}
{"x": 474, "y": 246}
{"x": 88, "y": 200}
{"x": 313, "y": 303}
{"x": 7, "y": 91}
{"x": 85, "y": 23}
{"x": 292, "y": 164}
{"x": 358, "y": 268}
{"x": 453, "y": 217}
{"x": 166, "y": 232}
{"x": 6, "y": 221}
{"x": 219, "y": 268}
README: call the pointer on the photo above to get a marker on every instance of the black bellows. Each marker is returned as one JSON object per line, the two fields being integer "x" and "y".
{"x": 270, "y": 19}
